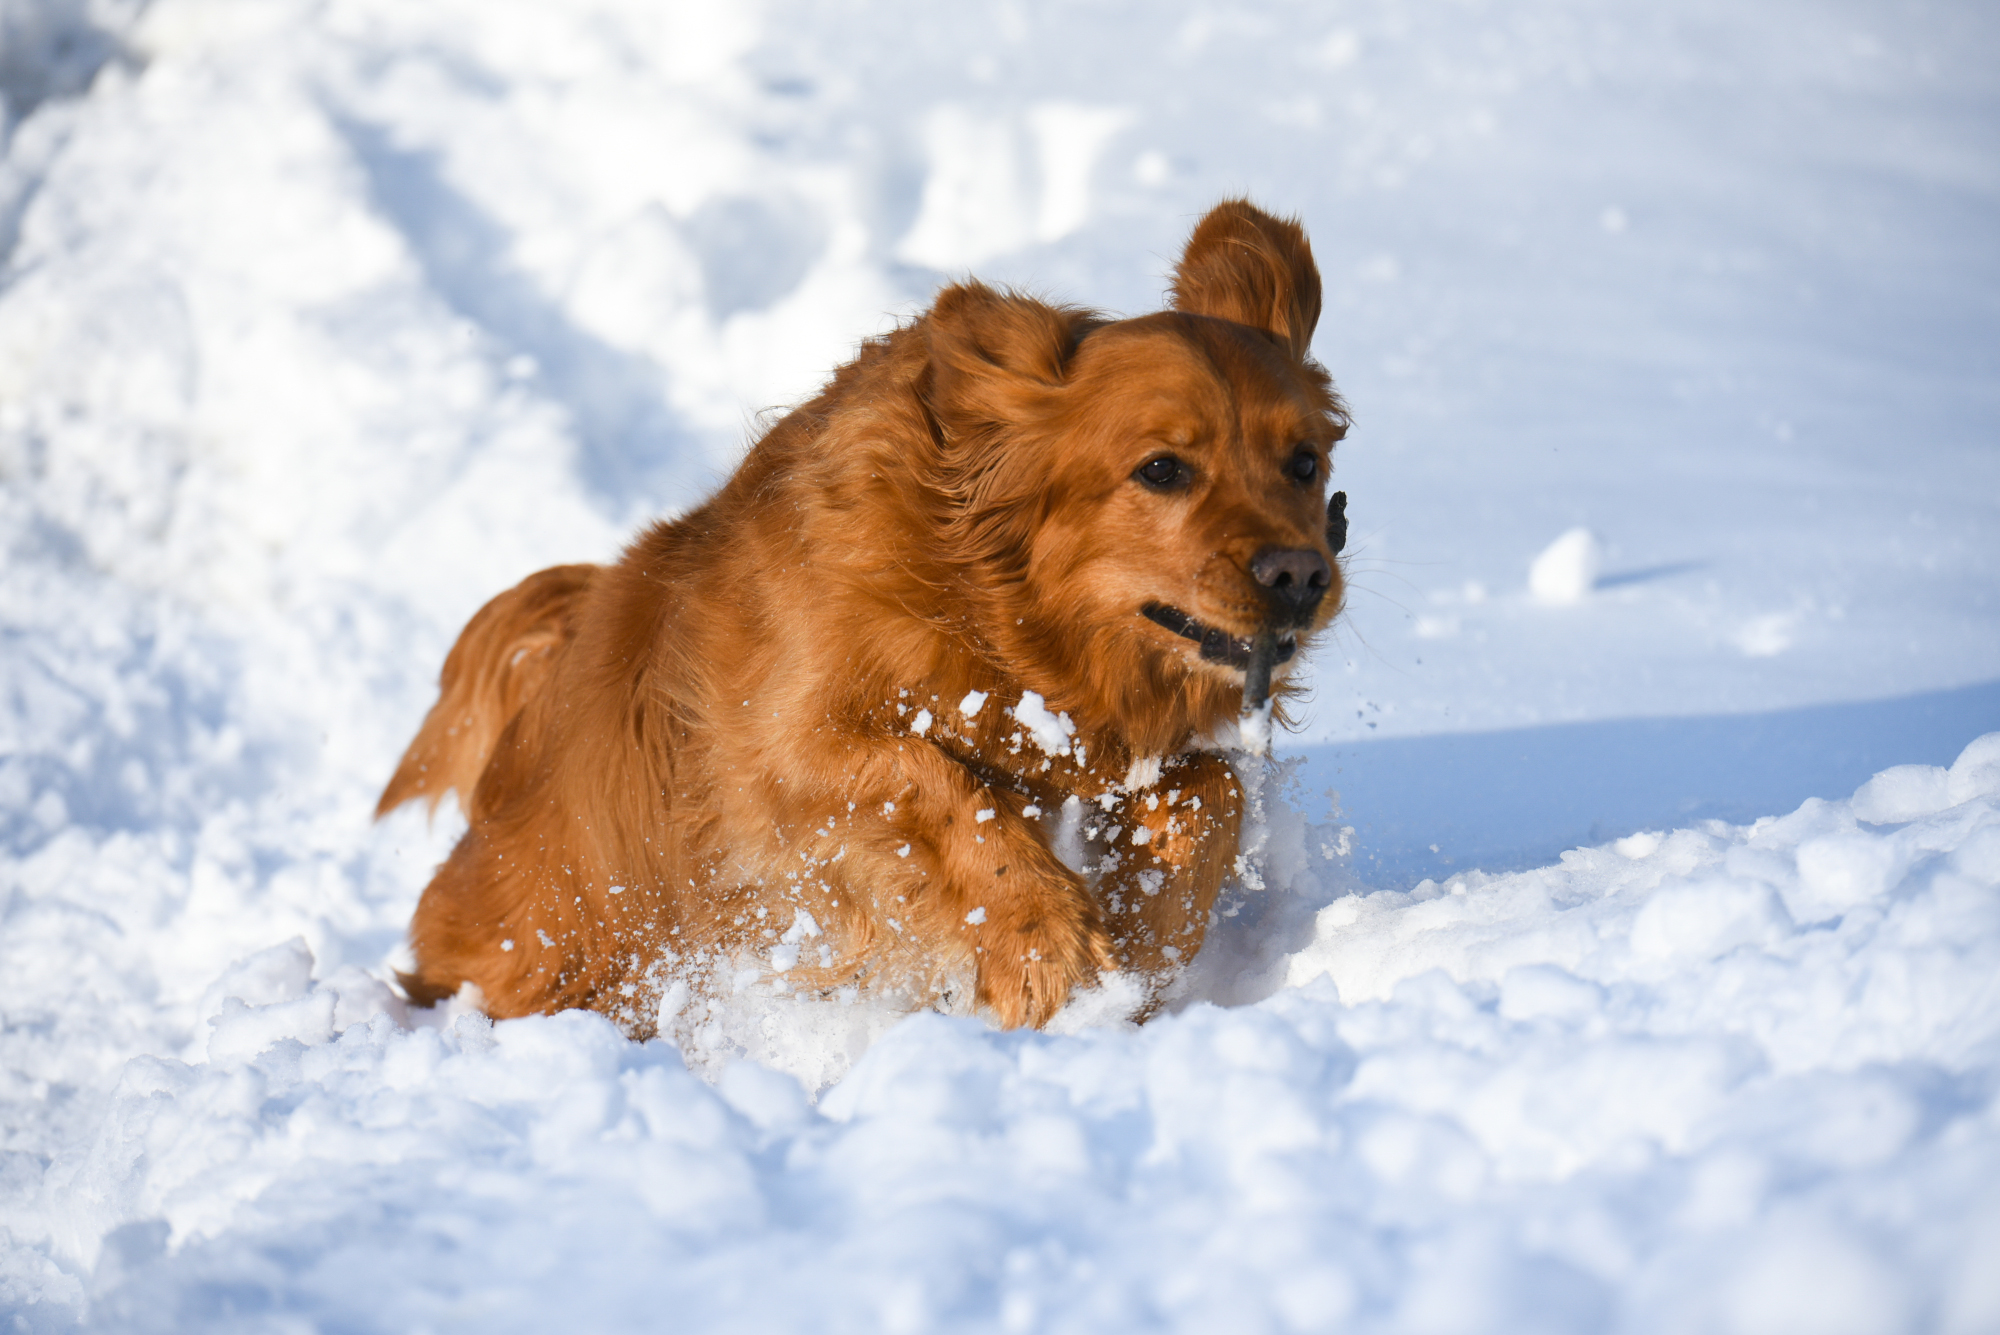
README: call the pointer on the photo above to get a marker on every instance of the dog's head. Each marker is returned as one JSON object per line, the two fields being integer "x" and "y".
{"x": 1147, "y": 496}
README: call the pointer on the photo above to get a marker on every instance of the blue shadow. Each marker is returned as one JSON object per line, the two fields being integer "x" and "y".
{"x": 1649, "y": 574}
{"x": 1502, "y": 801}
{"x": 617, "y": 401}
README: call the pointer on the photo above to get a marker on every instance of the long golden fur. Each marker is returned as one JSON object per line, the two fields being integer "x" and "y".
{"x": 825, "y": 712}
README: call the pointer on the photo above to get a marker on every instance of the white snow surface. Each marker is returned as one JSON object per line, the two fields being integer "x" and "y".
{"x": 321, "y": 321}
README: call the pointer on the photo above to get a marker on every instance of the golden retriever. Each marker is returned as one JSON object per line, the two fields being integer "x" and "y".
{"x": 918, "y": 701}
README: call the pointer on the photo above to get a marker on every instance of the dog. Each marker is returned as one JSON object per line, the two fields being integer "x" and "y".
{"x": 923, "y": 700}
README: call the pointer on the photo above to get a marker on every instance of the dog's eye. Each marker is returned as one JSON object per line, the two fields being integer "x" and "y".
{"x": 1304, "y": 466}
{"x": 1162, "y": 473}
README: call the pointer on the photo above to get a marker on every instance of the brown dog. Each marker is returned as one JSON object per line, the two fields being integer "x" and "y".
{"x": 914, "y": 701}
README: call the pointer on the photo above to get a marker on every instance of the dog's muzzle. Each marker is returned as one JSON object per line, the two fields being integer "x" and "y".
{"x": 1217, "y": 644}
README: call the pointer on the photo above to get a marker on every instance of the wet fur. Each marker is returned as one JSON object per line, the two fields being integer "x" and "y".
{"x": 667, "y": 761}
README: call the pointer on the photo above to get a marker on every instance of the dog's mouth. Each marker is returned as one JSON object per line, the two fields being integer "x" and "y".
{"x": 1217, "y": 644}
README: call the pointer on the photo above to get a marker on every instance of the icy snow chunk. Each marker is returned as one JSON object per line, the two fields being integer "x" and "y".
{"x": 1905, "y": 793}
{"x": 1052, "y": 732}
{"x": 279, "y": 973}
{"x": 239, "y": 1032}
{"x": 921, "y": 724}
{"x": 1567, "y": 569}
{"x": 1638, "y": 846}
{"x": 970, "y": 705}
{"x": 804, "y": 927}
{"x": 977, "y": 916}
{"x": 674, "y": 1000}
{"x": 1976, "y": 772}
{"x": 361, "y": 996}
{"x": 1115, "y": 1000}
{"x": 1705, "y": 919}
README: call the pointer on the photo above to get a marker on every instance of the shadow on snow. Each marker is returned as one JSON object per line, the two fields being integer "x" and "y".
{"x": 1504, "y": 801}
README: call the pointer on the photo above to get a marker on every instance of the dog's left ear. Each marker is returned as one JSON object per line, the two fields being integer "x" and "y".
{"x": 1242, "y": 264}
{"x": 996, "y": 357}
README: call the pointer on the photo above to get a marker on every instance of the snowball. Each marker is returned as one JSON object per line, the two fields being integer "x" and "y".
{"x": 1567, "y": 569}
{"x": 921, "y": 724}
{"x": 969, "y": 706}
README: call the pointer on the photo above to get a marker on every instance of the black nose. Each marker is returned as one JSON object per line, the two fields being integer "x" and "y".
{"x": 1294, "y": 578}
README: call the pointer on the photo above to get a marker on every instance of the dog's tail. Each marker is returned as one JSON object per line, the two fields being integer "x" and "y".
{"x": 502, "y": 657}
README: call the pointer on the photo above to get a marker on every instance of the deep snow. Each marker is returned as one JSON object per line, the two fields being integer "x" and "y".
{"x": 321, "y": 322}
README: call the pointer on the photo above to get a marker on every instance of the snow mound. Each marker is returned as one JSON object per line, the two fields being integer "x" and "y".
{"x": 1567, "y": 569}
{"x": 1684, "y": 1082}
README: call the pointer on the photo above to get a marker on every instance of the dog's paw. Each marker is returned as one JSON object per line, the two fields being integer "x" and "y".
{"x": 1032, "y": 952}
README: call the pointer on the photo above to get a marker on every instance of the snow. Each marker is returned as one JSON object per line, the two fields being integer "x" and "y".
{"x": 1623, "y": 961}
{"x": 1567, "y": 569}
{"x": 1047, "y": 729}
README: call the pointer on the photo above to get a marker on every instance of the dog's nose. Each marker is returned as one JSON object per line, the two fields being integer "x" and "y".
{"x": 1294, "y": 578}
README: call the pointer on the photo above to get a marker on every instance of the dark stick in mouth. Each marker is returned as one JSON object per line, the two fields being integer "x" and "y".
{"x": 1255, "y": 720}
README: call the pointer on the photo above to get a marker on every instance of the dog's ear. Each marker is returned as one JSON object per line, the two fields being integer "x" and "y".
{"x": 1242, "y": 264}
{"x": 998, "y": 363}
{"x": 997, "y": 358}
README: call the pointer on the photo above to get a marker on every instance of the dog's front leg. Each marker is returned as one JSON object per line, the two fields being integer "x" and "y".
{"x": 987, "y": 884}
{"x": 1177, "y": 841}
